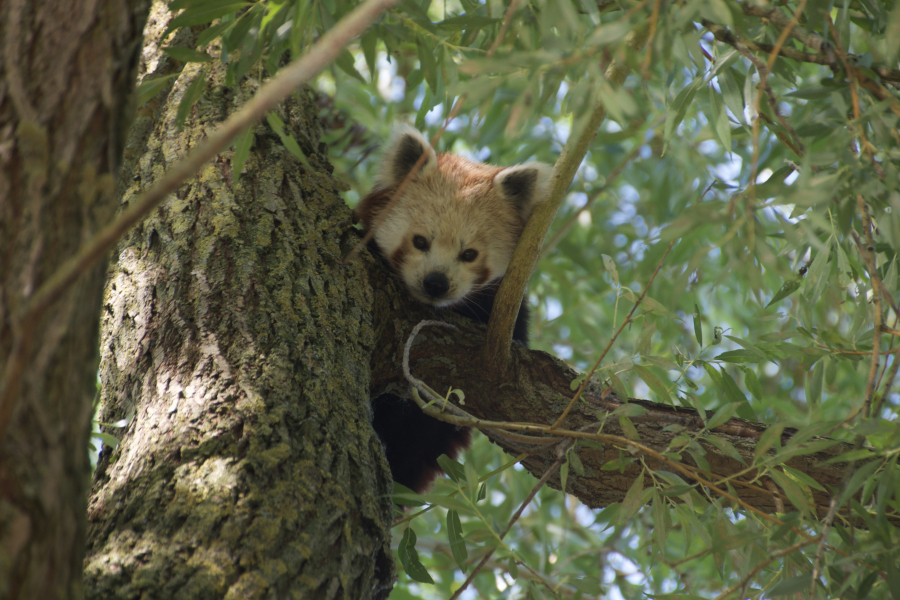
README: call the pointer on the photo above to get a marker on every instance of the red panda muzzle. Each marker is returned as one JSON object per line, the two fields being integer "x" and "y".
{"x": 436, "y": 284}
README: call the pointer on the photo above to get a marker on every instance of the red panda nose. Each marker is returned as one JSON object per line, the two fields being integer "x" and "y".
{"x": 436, "y": 284}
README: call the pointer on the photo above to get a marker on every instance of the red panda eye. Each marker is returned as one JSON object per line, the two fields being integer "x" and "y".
{"x": 469, "y": 255}
{"x": 420, "y": 242}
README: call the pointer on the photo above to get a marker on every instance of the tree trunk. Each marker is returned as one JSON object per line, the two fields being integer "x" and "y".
{"x": 66, "y": 77}
{"x": 236, "y": 345}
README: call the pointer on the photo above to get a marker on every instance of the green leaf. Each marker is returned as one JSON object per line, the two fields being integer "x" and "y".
{"x": 731, "y": 94}
{"x": 632, "y": 501}
{"x": 725, "y": 447}
{"x": 204, "y": 13}
{"x": 792, "y": 585}
{"x": 752, "y": 383}
{"x": 862, "y": 474}
{"x": 740, "y": 357}
{"x": 191, "y": 95}
{"x": 471, "y": 481}
{"x": 512, "y": 567}
{"x": 619, "y": 388}
{"x": 369, "y": 44}
{"x": 654, "y": 383}
{"x": 151, "y": 87}
{"x": 630, "y": 410}
{"x": 722, "y": 415}
{"x": 787, "y": 288}
{"x": 698, "y": 326}
{"x": 750, "y": 348}
{"x": 452, "y": 468}
{"x": 803, "y": 478}
{"x": 617, "y": 464}
{"x": 427, "y": 62}
{"x": 577, "y": 381}
{"x": 211, "y": 33}
{"x": 457, "y": 543}
{"x": 734, "y": 394}
{"x": 628, "y": 429}
{"x": 404, "y": 496}
{"x": 660, "y": 519}
{"x": 793, "y": 491}
{"x": 769, "y": 438}
{"x": 242, "y": 145}
{"x": 187, "y": 55}
{"x": 409, "y": 558}
{"x": 860, "y": 454}
{"x": 108, "y": 440}
{"x": 577, "y": 465}
{"x": 719, "y": 121}
{"x": 448, "y": 501}
{"x": 865, "y": 586}
{"x": 651, "y": 305}
{"x": 610, "y": 266}
{"x": 817, "y": 275}
{"x": 678, "y": 108}
{"x": 287, "y": 139}
{"x": 563, "y": 475}
{"x": 345, "y": 62}
{"x": 467, "y": 22}
{"x": 700, "y": 460}
{"x": 814, "y": 384}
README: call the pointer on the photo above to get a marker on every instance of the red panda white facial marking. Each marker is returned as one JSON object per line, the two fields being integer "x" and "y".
{"x": 455, "y": 226}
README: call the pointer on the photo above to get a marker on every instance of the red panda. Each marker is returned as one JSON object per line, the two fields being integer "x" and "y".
{"x": 449, "y": 236}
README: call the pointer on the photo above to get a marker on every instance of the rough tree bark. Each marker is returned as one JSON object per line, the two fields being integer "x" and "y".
{"x": 66, "y": 78}
{"x": 236, "y": 344}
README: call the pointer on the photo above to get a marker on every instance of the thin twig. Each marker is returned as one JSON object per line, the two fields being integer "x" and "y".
{"x": 613, "y": 175}
{"x": 755, "y": 570}
{"x": 723, "y": 34}
{"x": 764, "y": 89}
{"x": 561, "y": 456}
{"x": 868, "y": 253}
{"x": 627, "y": 320}
{"x": 854, "y": 94}
{"x": 285, "y": 82}
{"x": 496, "y": 351}
{"x": 789, "y": 24}
{"x": 829, "y": 516}
{"x": 776, "y": 495}
{"x": 654, "y": 20}
{"x": 618, "y": 441}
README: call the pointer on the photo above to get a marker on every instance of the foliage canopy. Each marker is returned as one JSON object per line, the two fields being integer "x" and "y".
{"x": 762, "y": 144}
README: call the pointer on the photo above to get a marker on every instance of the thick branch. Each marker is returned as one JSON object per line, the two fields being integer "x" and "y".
{"x": 536, "y": 391}
{"x": 509, "y": 296}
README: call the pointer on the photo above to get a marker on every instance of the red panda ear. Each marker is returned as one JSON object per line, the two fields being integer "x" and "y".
{"x": 524, "y": 186}
{"x": 401, "y": 153}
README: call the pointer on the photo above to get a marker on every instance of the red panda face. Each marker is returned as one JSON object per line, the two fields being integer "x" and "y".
{"x": 453, "y": 229}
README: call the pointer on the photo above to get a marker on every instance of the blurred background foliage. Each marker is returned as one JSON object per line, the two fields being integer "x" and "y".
{"x": 756, "y": 166}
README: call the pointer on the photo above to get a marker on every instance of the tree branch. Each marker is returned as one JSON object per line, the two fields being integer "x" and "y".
{"x": 537, "y": 389}
{"x": 496, "y": 352}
